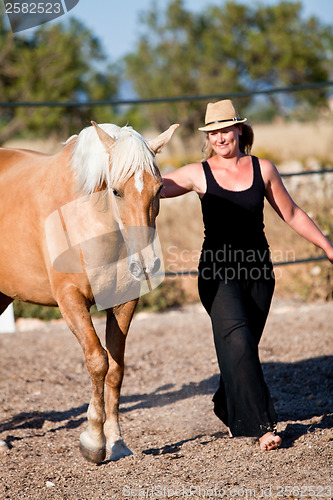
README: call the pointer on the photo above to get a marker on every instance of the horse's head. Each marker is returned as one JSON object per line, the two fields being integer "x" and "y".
{"x": 134, "y": 185}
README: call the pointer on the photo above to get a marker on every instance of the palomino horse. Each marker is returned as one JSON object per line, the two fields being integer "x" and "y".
{"x": 33, "y": 186}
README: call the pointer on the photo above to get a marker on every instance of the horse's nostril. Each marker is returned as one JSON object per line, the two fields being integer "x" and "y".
{"x": 135, "y": 269}
{"x": 138, "y": 271}
{"x": 157, "y": 265}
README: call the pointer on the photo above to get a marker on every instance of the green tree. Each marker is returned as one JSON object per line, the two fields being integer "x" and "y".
{"x": 227, "y": 49}
{"x": 58, "y": 63}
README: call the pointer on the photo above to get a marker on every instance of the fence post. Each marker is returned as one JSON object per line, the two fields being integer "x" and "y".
{"x": 7, "y": 321}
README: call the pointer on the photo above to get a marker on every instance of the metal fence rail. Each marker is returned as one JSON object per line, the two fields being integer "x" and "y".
{"x": 176, "y": 274}
{"x": 310, "y": 172}
{"x": 160, "y": 100}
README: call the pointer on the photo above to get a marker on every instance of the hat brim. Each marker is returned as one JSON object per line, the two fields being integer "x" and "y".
{"x": 219, "y": 126}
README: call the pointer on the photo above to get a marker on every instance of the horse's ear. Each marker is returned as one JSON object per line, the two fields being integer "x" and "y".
{"x": 161, "y": 140}
{"x": 105, "y": 138}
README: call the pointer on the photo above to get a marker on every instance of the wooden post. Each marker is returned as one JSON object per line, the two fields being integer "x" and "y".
{"x": 7, "y": 321}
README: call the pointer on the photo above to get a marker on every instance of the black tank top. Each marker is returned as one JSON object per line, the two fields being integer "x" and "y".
{"x": 234, "y": 225}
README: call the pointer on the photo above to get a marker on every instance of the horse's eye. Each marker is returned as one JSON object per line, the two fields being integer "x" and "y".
{"x": 116, "y": 193}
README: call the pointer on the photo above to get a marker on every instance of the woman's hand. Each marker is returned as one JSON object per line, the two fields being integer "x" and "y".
{"x": 329, "y": 253}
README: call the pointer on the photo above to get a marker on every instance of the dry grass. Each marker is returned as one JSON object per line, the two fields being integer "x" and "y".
{"x": 296, "y": 141}
{"x": 49, "y": 146}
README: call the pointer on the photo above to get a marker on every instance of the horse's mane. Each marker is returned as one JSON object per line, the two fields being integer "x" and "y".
{"x": 93, "y": 165}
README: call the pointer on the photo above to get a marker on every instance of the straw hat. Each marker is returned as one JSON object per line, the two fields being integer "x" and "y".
{"x": 221, "y": 114}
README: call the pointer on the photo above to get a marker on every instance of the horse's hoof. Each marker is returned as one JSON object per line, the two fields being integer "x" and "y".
{"x": 118, "y": 450}
{"x": 95, "y": 456}
{"x": 88, "y": 450}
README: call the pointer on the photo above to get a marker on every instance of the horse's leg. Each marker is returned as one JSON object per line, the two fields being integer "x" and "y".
{"x": 117, "y": 324}
{"x": 4, "y": 302}
{"x": 75, "y": 311}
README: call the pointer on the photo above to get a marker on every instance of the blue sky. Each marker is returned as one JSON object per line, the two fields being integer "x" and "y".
{"x": 116, "y": 22}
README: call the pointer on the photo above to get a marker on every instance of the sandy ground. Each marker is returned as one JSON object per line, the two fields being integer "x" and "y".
{"x": 180, "y": 449}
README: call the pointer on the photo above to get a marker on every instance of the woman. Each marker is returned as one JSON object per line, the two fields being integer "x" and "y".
{"x": 236, "y": 279}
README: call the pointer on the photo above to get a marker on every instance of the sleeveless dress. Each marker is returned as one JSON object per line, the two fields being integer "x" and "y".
{"x": 235, "y": 244}
{"x": 236, "y": 284}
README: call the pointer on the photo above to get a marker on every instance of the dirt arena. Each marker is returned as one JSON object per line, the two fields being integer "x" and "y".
{"x": 180, "y": 449}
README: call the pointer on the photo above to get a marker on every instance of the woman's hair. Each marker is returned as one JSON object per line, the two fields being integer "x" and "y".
{"x": 245, "y": 142}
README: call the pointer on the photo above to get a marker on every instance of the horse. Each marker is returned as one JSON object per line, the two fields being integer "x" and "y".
{"x": 112, "y": 166}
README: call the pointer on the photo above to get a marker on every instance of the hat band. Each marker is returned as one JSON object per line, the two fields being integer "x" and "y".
{"x": 222, "y": 121}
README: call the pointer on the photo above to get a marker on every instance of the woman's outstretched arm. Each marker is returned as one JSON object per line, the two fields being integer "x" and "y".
{"x": 183, "y": 180}
{"x": 286, "y": 208}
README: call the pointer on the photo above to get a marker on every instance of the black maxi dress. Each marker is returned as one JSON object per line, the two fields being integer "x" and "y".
{"x": 236, "y": 284}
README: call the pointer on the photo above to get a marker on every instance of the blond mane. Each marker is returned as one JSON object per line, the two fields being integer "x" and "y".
{"x": 94, "y": 166}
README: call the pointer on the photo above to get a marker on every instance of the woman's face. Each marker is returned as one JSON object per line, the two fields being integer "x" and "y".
{"x": 225, "y": 142}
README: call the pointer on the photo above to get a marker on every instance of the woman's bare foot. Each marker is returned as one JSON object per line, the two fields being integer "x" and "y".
{"x": 269, "y": 441}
